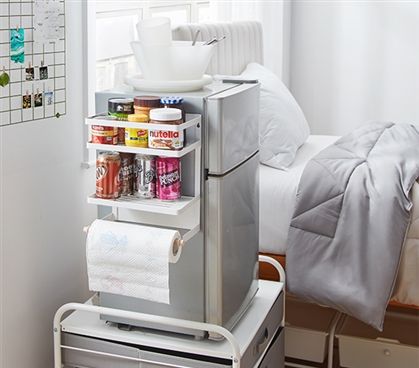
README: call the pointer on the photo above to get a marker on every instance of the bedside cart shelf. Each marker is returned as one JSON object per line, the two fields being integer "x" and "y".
{"x": 146, "y": 151}
{"x": 147, "y": 205}
{"x": 191, "y": 120}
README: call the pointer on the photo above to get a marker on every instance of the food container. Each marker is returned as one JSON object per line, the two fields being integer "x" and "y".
{"x": 143, "y": 104}
{"x": 175, "y": 103}
{"x": 145, "y": 176}
{"x": 168, "y": 184}
{"x": 121, "y": 108}
{"x": 126, "y": 174}
{"x": 137, "y": 137}
{"x": 104, "y": 135}
{"x": 165, "y": 139}
{"x": 108, "y": 165}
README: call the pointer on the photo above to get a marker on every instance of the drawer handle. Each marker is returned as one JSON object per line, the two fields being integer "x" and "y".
{"x": 260, "y": 347}
{"x": 387, "y": 352}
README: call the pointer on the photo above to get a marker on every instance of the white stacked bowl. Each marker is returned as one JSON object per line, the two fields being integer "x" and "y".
{"x": 178, "y": 61}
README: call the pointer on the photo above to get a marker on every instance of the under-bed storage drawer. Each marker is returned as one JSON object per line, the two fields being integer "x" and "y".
{"x": 361, "y": 346}
{"x": 307, "y": 330}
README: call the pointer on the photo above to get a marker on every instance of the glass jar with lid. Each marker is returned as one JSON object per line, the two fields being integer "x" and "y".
{"x": 166, "y": 139}
{"x": 143, "y": 104}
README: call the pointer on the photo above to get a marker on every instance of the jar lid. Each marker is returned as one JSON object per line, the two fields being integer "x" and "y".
{"x": 166, "y": 114}
{"x": 138, "y": 118}
{"x": 123, "y": 105}
{"x": 171, "y": 100}
{"x": 147, "y": 101}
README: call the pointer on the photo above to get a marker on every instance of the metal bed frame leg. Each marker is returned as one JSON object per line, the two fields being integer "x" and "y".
{"x": 332, "y": 339}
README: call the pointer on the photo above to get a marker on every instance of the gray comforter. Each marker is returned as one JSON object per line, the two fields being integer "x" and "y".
{"x": 351, "y": 218}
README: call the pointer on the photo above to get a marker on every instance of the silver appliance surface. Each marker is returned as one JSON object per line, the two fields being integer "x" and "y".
{"x": 232, "y": 127}
{"x": 232, "y": 223}
{"x": 217, "y": 279}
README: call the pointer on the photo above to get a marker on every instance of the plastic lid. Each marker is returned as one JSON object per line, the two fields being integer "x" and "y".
{"x": 147, "y": 101}
{"x": 138, "y": 118}
{"x": 121, "y": 105}
{"x": 166, "y": 114}
{"x": 171, "y": 100}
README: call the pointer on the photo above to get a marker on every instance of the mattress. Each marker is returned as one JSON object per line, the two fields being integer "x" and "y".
{"x": 277, "y": 195}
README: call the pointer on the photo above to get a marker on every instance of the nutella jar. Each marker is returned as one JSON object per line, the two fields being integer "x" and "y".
{"x": 165, "y": 139}
{"x": 143, "y": 104}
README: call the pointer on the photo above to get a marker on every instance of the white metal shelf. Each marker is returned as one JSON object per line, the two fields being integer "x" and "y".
{"x": 145, "y": 151}
{"x": 146, "y": 204}
{"x": 191, "y": 120}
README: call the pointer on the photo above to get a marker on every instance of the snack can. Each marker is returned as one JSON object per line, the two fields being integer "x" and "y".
{"x": 120, "y": 108}
{"x": 145, "y": 176}
{"x": 104, "y": 134}
{"x": 168, "y": 184}
{"x": 126, "y": 174}
{"x": 108, "y": 165}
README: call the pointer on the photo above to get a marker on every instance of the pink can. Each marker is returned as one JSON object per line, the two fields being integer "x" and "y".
{"x": 168, "y": 178}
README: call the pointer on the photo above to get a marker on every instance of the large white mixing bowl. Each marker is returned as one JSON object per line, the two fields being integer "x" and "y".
{"x": 180, "y": 61}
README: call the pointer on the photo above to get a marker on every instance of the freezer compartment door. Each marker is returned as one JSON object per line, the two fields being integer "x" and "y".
{"x": 232, "y": 119}
{"x": 232, "y": 225}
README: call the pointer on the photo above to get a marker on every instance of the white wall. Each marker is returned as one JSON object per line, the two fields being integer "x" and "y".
{"x": 355, "y": 61}
{"x": 275, "y": 17}
{"x": 43, "y": 210}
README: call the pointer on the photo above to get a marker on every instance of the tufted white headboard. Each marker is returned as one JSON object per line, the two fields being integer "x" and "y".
{"x": 243, "y": 44}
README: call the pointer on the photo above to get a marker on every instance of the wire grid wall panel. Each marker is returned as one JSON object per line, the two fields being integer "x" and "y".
{"x": 15, "y": 14}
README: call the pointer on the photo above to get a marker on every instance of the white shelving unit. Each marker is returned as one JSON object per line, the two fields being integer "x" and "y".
{"x": 146, "y": 151}
{"x": 147, "y": 205}
{"x": 103, "y": 120}
{"x": 154, "y": 205}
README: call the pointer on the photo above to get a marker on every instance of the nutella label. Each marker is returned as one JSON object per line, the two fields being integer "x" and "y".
{"x": 162, "y": 139}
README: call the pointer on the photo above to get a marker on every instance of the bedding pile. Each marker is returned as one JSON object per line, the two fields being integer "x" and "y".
{"x": 351, "y": 219}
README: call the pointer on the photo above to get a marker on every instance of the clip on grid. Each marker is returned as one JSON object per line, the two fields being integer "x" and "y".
{"x": 28, "y": 98}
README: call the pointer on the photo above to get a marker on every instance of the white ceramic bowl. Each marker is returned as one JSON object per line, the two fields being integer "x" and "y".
{"x": 180, "y": 61}
{"x": 155, "y": 31}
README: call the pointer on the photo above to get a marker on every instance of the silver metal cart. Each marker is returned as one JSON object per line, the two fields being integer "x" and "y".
{"x": 84, "y": 340}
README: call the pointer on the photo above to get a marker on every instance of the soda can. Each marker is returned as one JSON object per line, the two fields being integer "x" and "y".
{"x": 145, "y": 176}
{"x": 108, "y": 165}
{"x": 168, "y": 184}
{"x": 126, "y": 174}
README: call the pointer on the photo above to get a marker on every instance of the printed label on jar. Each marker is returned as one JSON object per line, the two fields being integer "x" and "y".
{"x": 162, "y": 139}
{"x": 136, "y": 137}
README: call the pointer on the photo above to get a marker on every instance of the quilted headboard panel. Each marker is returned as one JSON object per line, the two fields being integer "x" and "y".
{"x": 243, "y": 44}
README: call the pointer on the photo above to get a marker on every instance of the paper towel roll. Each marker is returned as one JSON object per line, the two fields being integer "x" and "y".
{"x": 131, "y": 260}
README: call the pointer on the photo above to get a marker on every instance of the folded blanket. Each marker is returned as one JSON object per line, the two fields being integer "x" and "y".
{"x": 351, "y": 219}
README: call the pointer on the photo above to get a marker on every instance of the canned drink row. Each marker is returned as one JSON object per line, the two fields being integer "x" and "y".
{"x": 135, "y": 174}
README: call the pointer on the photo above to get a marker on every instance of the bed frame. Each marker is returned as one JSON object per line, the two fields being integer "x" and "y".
{"x": 267, "y": 272}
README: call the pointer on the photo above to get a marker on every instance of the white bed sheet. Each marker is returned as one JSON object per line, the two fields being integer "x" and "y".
{"x": 277, "y": 195}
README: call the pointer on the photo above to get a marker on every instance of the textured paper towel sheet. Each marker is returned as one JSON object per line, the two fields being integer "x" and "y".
{"x": 131, "y": 260}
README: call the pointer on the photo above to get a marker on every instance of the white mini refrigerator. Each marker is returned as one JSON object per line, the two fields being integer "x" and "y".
{"x": 216, "y": 276}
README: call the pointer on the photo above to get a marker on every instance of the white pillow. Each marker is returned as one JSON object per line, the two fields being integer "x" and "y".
{"x": 283, "y": 127}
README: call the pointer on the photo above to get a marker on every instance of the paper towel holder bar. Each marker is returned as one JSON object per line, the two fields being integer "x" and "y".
{"x": 178, "y": 242}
